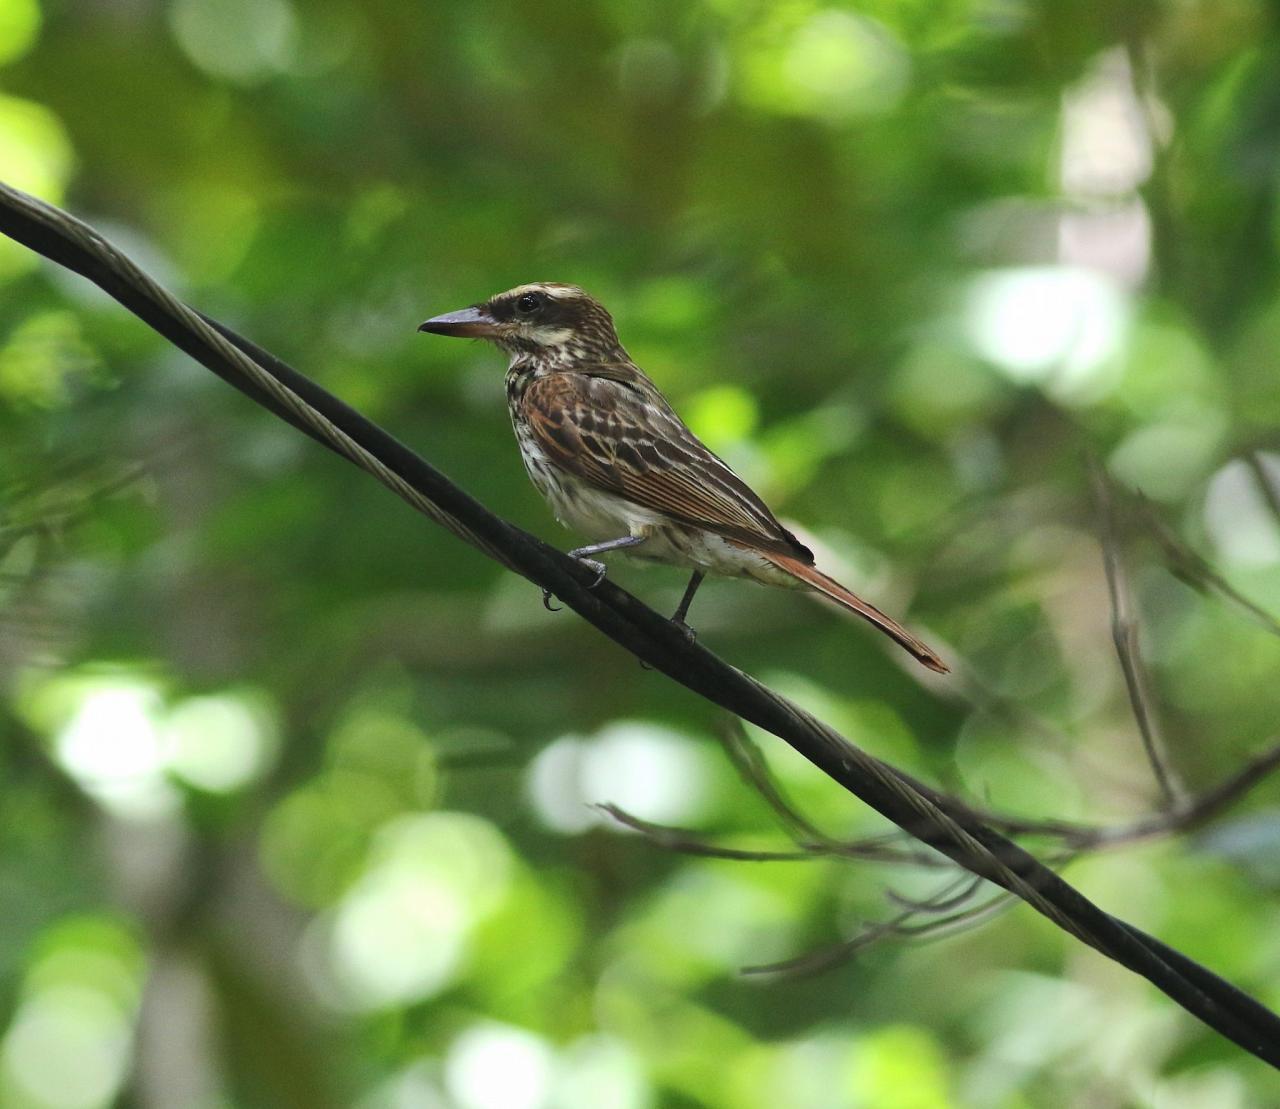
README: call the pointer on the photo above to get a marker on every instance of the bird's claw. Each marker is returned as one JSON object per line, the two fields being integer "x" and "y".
{"x": 690, "y": 635}
{"x": 601, "y": 570}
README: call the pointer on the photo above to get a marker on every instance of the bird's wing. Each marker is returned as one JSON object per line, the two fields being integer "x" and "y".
{"x": 621, "y": 436}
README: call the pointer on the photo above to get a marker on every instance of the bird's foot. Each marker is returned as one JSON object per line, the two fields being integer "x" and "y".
{"x": 599, "y": 568}
{"x": 690, "y": 634}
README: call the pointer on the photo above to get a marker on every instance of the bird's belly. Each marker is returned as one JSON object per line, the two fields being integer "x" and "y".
{"x": 591, "y": 512}
{"x": 699, "y": 549}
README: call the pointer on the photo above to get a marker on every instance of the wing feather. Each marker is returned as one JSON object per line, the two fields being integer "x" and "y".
{"x": 622, "y": 436}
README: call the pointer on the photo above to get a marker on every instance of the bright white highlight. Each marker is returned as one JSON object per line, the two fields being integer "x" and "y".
{"x": 1108, "y": 151}
{"x": 1106, "y": 144}
{"x": 114, "y": 735}
{"x": 113, "y": 748}
{"x": 1114, "y": 240}
{"x": 1055, "y": 326}
{"x": 650, "y": 771}
{"x": 402, "y": 931}
{"x": 67, "y": 1048}
{"x": 1237, "y": 517}
{"x": 496, "y": 1066}
{"x": 217, "y": 743}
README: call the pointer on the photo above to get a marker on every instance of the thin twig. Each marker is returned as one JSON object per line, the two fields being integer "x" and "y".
{"x": 1074, "y": 840}
{"x": 939, "y": 919}
{"x": 1124, "y": 633}
{"x": 1192, "y": 812}
{"x": 940, "y": 902}
{"x": 750, "y": 762}
{"x": 878, "y": 849}
{"x": 53, "y": 518}
{"x": 1195, "y": 571}
{"x": 687, "y": 842}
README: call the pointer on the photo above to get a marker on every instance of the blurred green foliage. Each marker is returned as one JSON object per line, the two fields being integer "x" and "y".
{"x": 297, "y": 789}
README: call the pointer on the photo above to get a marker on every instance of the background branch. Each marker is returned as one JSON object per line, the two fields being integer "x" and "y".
{"x": 1068, "y": 841}
{"x": 1124, "y": 634}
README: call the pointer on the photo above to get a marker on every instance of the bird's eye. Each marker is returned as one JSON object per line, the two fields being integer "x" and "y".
{"x": 529, "y": 302}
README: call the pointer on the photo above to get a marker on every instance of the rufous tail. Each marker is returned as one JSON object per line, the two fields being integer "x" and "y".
{"x": 829, "y": 587}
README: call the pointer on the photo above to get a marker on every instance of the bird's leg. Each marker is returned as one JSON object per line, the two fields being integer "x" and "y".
{"x": 583, "y": 555}
{"x": 683, "y": 610}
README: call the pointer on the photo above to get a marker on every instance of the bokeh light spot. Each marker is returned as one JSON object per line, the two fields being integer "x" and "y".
{"x": 1166, "y": 458}
{"x": 1055, "y": 326}
{"x": 37, "y": 157}
{"x": 41, "y": 357}
{"x": 67, "y": 1048}
{"x": 834, "y": 64}
{"x": 901, "y": 1067}
{"x": 401, "y": 932}
{"x": 1237, "y": 516}
{"x": 722, "y": 416}
{"x": 242, "y": 41}
{"x": 649, "y": 771}
{"x": 219, "y": 743}
{"x": 112, "y": 746}
{"x": 34, "y": 149}
{"x": 601, "y": 1070}
{"x": 496, "y": 1066}
{"x": 19, "y": 26}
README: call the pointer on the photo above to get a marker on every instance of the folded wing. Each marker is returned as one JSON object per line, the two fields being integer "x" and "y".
{"x": 623, "y": 437}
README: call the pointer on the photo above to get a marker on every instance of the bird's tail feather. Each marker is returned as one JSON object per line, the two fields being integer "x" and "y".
{"x": 829, "y": 587}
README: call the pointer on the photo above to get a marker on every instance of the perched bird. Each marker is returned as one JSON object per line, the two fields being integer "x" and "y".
{"x": 617, "y": 464}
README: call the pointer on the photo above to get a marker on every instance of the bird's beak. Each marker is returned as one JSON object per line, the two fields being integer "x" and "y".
{"x": 466, "y": 323}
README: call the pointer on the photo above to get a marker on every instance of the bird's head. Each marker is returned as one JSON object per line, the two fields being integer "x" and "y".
{"x": 547, "y": 320}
